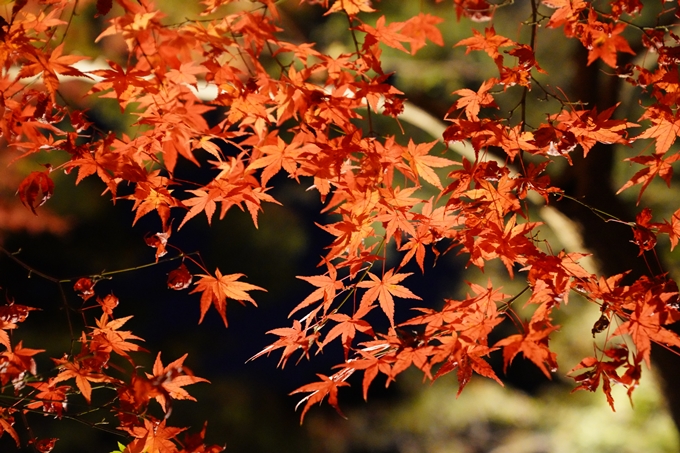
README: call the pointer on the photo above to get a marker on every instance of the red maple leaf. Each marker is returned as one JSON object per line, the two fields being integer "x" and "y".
{"x": 665, "y": 126}
{"x": 490, "y": 42}
{"x": 603, "y": 41}
{"x": 16, "y": 364}
{"x": 51, "y": 398}
{"x": 216, "y": 290}
{"x": 420, "y": 28}
{"x": 389, "y": 35}
{"x": 422, "y": 163}
{"x": 347, "y": 327}
{"x": 656, "y": 165}
{"x": 472, "y": 101}
{"x": 383, "y": 289}
{"x": 327, "y": 287}
{"x": 82, "y": 374}
{"x": 36, "y": 189}
{"x": 108, "y": 338}
{"x": 7, "y": 422}
{"x": 170, "y": 380}
{"x": 153, "y": 437}
{"x": 533, "y": 344}
{"x": 351, "y": 7}
{"x": 56, "y": 64}
{"x": 318, "y": 391}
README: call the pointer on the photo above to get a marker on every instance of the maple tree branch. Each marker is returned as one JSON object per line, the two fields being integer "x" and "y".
{"x": 105, "y": 274}
{"x": 525, "y": 91}
{"x": 31, "y": 270}
{"x": 369, "y": 116}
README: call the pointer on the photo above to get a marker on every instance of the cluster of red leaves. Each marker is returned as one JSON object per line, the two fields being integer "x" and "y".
{"x": 303, "y": 120}
{"x": 49, "y": 391}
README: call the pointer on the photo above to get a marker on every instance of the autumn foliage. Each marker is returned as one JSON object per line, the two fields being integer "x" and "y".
{"x": 287, "y": 108}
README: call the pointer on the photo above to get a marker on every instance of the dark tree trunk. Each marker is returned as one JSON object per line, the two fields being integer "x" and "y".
{"x": 590, "y": 181}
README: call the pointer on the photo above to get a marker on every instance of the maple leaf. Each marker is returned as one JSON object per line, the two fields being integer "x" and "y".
{"x": 319, "y": 391}
{"x": 327, "y": 287}
{"x": 351, "y": 7}
{"x": 16, "y": 364}
{"x": 216, "y": 290}
{"x": 665, "y": 127}
{"x": 82, "y": 374}
{"x": 108, "y": 303}
{"x": 195, "y": 443}
{"x": 203, "y": 201}
{"x": 276, "y": 157}
{"x": 472, "y": 101}
{"x": 422, "y": 27}
{"x": 422, "y": 163}
{"x": 657, "y": 165}
{"x": 126, "y": 83}
{"x": 107, "y": 335}
{"x": 369, "y": 363}
{"x": 291, "y": 339}
{"x": 6, "y": 424}
{"x": 57, "y": 64}
{"x": 171, "y": 379}
{"x": 388, "y": 35}
{"x": 567, "y": 11}
{"x": 672, "y": 228}
{"x": 51, "y": 398}
{"x": 643, "y": 235}
{"x": 347, "y": 327}
{"x": 645, "y": 325}
{"x": 604, "y": 370}
{"x": 152, "y": 195}
{"x": 84, "y": 287}
{"x": 383, "y": 290}
{"x": 36, "y": 189}
{"x": 10, "y": 315}
{"x": 590, "y": 127}
{"x": 186, "y": 73}
{"x": 490, "y": 42}
{"x": 159, "y": 241}
{"x": 603, "y": 40}
{"x": 153, "y": 437}
{"x": 533, "y": 344}
{"x": 180, "y": 278}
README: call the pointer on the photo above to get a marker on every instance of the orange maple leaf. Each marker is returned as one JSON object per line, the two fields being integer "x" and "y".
{"x": 216, "y": 290}
{"x": 533, "y": 344}
{"x": 472, "y": 101}
{"x": 171, "y": 379}
{"x": 107, "y": 335}
{"x": 16, "y": 364}
{"x": 351, "y": 7}
{"x": 420, "y": 28}
{"x": 6, "y": 422}
{"x": 347, "y": 327}
{"x": 327, "y": 286}
{"x": 82, "y": 374}
{"x": 57, "y": 64}
{"x": 153, "y": 437}
{"x": 389, "y": 35}
{"x": 383, "y": 290}
{"x": 319, "y": 391}
{"x": 603, "y": 40}
{"x": 490, "y": 42}
{"x": 665, "y": 127}
{"x": 423, "y": 163}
